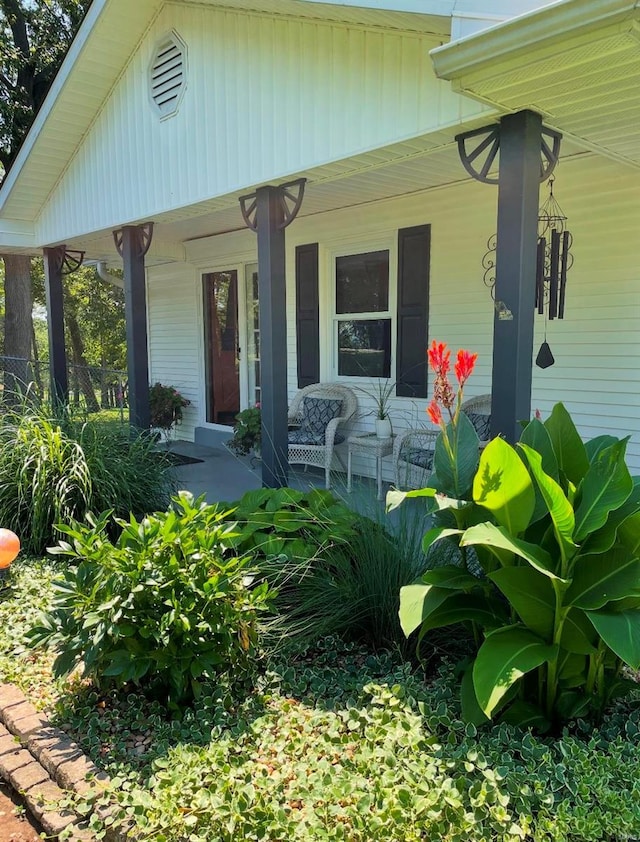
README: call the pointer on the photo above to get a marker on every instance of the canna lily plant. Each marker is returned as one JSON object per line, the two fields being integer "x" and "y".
{"x": 554, "y": 525}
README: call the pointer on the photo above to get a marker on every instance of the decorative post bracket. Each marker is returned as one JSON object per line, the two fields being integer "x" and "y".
{"x": 290, "y": 197}
{"x": 64, "y": 261}
{"x": 478, "y": 150}
{"x": 144, "y": 236}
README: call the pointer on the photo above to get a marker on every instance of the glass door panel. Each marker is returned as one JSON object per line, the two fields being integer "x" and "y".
{"x": 221, "y": 346}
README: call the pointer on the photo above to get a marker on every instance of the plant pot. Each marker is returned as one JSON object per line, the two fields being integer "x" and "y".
{"x": 383, "y": 428}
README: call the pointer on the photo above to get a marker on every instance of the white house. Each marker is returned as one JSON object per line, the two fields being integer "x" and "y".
{"x": 171, "y": 111}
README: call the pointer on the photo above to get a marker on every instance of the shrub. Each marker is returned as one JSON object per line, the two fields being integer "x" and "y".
{"x": 555, "y": 525}
{"x": 53, "y": 471}
{"x": 165, "y": 607}
{"x": 247, "y": 431}
{"x": 166, "y": 405}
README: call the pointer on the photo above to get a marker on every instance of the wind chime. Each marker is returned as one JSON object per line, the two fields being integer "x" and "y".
{"x": 553, "y": 262}
{"x": 554, "y": 259}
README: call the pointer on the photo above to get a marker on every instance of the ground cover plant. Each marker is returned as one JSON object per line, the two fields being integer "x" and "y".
{"x": 555, "y": 529}
{"x": 54, "y": 470}
{"x": 334, "y": 742}
{"x": 164, "y": 607}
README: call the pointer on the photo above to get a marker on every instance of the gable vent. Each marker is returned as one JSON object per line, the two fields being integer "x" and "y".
{"x": 168, "y": 74}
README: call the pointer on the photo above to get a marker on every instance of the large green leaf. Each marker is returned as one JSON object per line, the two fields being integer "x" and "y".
{"x": 417, "y": 602}
{"x": 532, "y": 596}
{"x": 559, "y": 507}
{"x": 605, "y": 487}
{"x": 503, "y": 486}
{"x": 395, "y": 498}
{"x": 621, "y": 632}
{"x": 594, "y": 446}
{"x": 455, "y": 477}
{"x": 435, "y": 534}
{"x": 567, "y": 444}
{"x": 505, "y": 656}
{"x": 497, "y": 538}
{"x": 599, "y": 579}
{"x": 578, "y": 635}
{"x": 451, "y": 577}
{"x": 604, "y": 538}
{"x": 471, "y": 711}
{"x": 629, "y": 534}
{"x": 488, "y": 612}
{"x": 536, "y": 436}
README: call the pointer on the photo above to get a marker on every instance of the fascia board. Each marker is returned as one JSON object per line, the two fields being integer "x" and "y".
{"x": 521, "y": 36}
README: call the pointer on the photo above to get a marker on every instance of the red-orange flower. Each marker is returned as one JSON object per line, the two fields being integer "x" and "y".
{"x": 439, "y": 357}
{"x": 433, "y": 410}
{"x": 464, "y": 366}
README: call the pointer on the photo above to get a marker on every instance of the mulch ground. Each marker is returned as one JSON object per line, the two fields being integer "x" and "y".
{"x": 15, "y": 828}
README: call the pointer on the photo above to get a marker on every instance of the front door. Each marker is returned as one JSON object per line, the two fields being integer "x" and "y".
{"x": 222, "y": 346}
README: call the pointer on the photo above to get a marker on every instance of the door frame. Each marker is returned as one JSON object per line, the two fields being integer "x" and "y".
{"x": 239, "y": 266}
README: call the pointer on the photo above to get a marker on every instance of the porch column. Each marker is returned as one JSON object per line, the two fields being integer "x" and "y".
{"x": 132, "y": 242}
{"x": 59, "y": 379}
{"x": 516, "y": 254}
{"x": 268, "y": 213}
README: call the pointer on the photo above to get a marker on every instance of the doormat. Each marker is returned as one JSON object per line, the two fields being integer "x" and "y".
{"x": 178, "y": 459}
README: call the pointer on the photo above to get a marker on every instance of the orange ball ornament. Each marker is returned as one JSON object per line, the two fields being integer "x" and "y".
{"x": 9, "y": 547}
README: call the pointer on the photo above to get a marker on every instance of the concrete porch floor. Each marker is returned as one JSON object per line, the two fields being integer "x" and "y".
{"x": 223, "y": 476}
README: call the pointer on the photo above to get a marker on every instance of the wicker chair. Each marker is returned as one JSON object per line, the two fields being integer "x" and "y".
{"x": 413, "y": 449}
{"x": 320, "y": 455}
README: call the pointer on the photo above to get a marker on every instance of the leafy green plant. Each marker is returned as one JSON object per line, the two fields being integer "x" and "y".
{"x": 53, "y": 471}
{"x": 167, "y": 606}
{"x": 247, "y": 431}
{"x": 555, "y": 525}
{"x": 296, "y": 524}
{"x": 166, "y": 405}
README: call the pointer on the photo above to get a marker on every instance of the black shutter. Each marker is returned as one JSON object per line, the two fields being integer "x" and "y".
{"x": 413, "y": 311}
{"x": 307, "y": 315}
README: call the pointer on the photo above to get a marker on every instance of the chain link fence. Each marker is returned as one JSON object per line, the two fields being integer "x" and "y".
{"x": 91, "y": 388}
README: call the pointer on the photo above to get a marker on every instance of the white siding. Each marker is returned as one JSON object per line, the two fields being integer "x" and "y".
{"x": 265, "y": 97}
{"x": 596, "y": 347}
{"x": 174, "y": 337}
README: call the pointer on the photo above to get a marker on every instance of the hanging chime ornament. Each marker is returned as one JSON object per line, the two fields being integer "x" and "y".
{"x": 554, "y": 259}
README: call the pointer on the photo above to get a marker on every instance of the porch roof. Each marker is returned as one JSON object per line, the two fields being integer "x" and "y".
{"x": 576, "y": 62}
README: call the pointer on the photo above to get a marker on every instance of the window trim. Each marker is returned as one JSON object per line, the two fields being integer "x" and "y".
{"x": 384, "y": 242}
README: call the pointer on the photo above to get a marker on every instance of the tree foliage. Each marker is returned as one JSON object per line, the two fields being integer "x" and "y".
{"x": 34, "y": 37}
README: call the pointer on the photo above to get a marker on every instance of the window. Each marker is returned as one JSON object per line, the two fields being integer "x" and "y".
{"x": 362, "y": 315}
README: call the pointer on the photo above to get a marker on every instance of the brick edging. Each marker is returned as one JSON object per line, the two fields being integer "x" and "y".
{"x": 40, "y": 762}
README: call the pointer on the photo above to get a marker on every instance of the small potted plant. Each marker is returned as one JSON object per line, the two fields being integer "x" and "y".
{"x": 247, "y": 432}
{"x": 166, "y": 405}
{"x": 381, "y": 393}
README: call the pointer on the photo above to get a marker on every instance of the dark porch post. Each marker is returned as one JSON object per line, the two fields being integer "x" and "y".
{"x": 518, "y": 196}
{"x": 133, "y": 242}
{"x": 268, "y": 211}
{"x": 53, "y": 265}
{"x": 273, "y": 336}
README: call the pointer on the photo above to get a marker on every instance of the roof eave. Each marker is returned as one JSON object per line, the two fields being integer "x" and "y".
{"x": 520, "y": 35}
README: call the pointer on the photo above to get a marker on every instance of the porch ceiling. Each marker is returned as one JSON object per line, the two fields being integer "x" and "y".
{"x": 409, "y": 167}
{"x": 577, "y": 63}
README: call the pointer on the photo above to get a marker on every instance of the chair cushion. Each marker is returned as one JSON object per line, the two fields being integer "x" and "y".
{"x": 416, "y": 456}
{"x": 481, "y": 424}
{"x": 317, "y": 412}
{"x": 301, "y": 436}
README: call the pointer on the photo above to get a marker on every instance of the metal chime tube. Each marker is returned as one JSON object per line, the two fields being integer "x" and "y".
{"x": 563, "y": 271}
{"x": 542, "y": 249}
{"x": 554, "y": 272}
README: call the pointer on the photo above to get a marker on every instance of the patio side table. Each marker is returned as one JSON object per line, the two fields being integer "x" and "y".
{"x": 370, "y": 444}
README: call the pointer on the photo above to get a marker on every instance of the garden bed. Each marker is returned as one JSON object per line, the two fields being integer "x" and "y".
{"x": 333, "y": 743}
